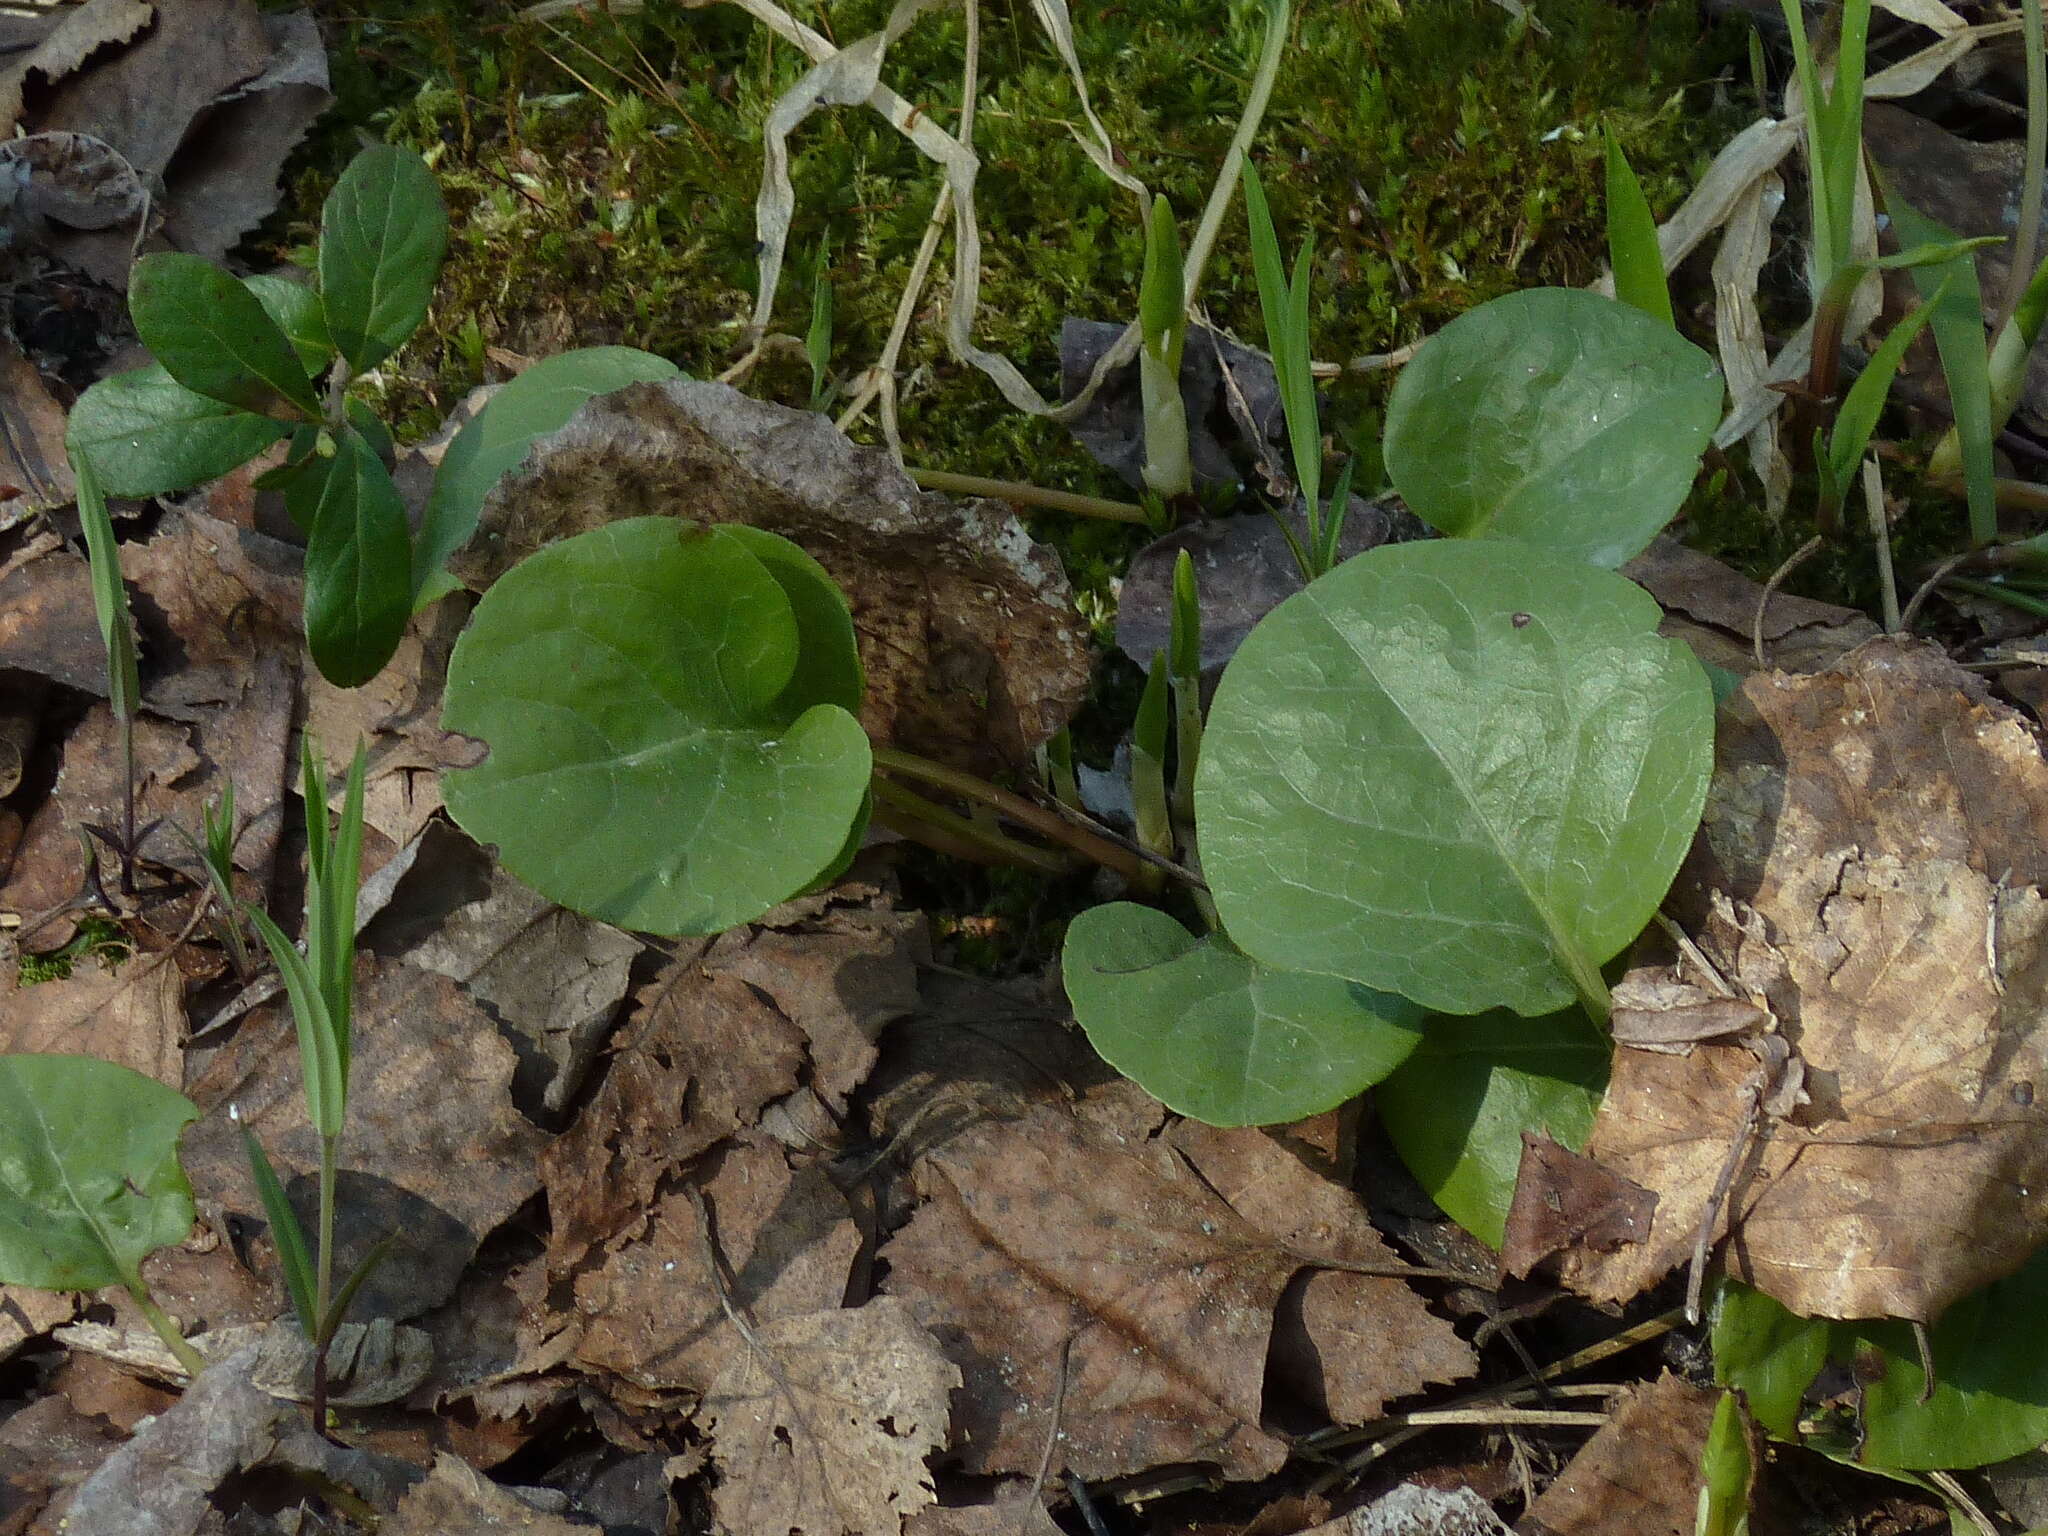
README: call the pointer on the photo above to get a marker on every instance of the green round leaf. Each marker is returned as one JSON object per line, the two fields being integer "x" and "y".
{"x": 1552, "y": 417}
{"x": 1461, "y": 771}
{"x": 828, "y": 667}
{"x": 1456, "y": 1109}
{"x": 1219, "y": 1037}
{"x": 383, "y": 233}
{"x": 89, "y": 1179}
{"x": 148, "y": 435}
{"x": 647, "y": 764}
{"x": 541, "y": 400}
{"x": 1990, "y": 1396}
{"x": 213, "y": 335}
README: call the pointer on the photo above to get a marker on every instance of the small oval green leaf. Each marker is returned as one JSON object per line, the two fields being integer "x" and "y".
{"x": 1457, "y": 1108}
{"x": 213, "y": 335}
{"x": 358, "y": 561}
{"x": 541, "y": 400}
{"x": 296, "y": 309}
{"x": 634, "y": 685}
{"x": 383, "y": 232}
{"x": 1632, "y": 248}
{"x": 1461, "y": 771}
{"x": 1218, "y": 1037}
{"x": 1552, "y": 417}
{"x": 149, "y": 435}
{"x": 1990, "y": 1398}
{"x": 89, "y": 1179}
{"x": 828, "y": 669}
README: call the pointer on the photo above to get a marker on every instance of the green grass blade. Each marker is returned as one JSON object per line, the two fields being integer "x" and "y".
{"x": 1958, "y": 322}
{"x": 338, "y": 901}
{"x": 285, "y": 1231}
{"x": 345, "y": 1296}
{"x": 1148, "y": 763}
{"x": 1632, "y": 248}
{"x": 2015, "y": 342}
{"x": 326, "y": 1085}
{"x": 1857, "y": 419}
{"x": 109, "y": 596}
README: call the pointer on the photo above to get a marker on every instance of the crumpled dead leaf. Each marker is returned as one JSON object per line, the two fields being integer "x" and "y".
{"x": 35, "y": 473}
{"x": 1869, "y": 865}
{"x": 650, "y": 1312}
{"x": 454, "y": 1496}
{"x": 973, "y": 650}
{"x": 823, "y": 1423}
{"x": 48, "y": 1448}
{"x": 1640, "y": 1473}
{"x": 1713, "y": 608}
{"x": 132, "y": 1015}
{"x": 1080, "y": 1247}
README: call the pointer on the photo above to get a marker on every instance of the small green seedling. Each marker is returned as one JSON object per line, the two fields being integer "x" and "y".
{"x": 92, "y": 1182}
{"x": 320, "y": 985}
{"x": 117, "y": 633}
{"x": 1163, "y": 329}
{"x": 818, "y": 338}
{"x": 1632, "y": 249}
{"x": 241, "y": 364}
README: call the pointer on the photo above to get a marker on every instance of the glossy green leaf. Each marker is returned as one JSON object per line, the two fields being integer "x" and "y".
{"x": 383, "y": 233}
{"x": 326, "y": 1078}
{"x": 358, "y": 562}
{"x": 1219, "y": 1037}
{"x": 828, "y": 669}
{"x": 541, "y": 400}
{"x": 1958, "y": 322}
{"x": 1632, "y": 249}
{"x": 89, "y": 1179}
{"x": 213, "y": 335}
{"x": 1461, "y": 771}
{"x": 646, "y": 767}
{"x": 109, "y": 595}
{"x": 296, "y": 309}
{"x": 1552, "y": 417}
{"x": 1724, "y": 1473}
{"x": 287, "y": 1235}
{"x": 1990, "y": 1396}
{"x": 1457, "y": 1108}
{"x": 149, "y": 435}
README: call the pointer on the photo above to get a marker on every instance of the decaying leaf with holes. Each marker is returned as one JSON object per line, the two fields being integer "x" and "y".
{"x": 1871, "y": 867}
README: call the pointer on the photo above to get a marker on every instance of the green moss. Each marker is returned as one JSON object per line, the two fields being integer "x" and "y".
{"x": 96, "y": 937}
{"x": 602, "y": 173}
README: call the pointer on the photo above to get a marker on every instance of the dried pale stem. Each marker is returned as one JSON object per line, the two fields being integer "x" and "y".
{"x": 949, "y": 833}
{"x": 1881, "y": 541}
{"x": 1800, "y": 556}
{"x": 1028, "y": 495}
{"x": 1013, "y": 807}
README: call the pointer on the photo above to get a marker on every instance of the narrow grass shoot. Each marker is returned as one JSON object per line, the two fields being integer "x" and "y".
{"x": 1184, "y": 654}
{"x": 1149, "y": 808}
{"x": 117, "y": 632}
{"x": 1632, "y": 248}
{"x": 1834, "y": 133}
{"x": 1163, "y": 326}
{"x": 818, "y": 339}
{"x": 320, "y": 987}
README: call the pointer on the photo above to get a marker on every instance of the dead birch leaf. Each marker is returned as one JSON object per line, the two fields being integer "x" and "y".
{"x": 824, "y": 1423}
{"x": 1640, "y": 1474}
{"x": 973, "y": 650}
{"x": 1053, "y": 1246}
{"x": 132, "y": 1015}
{"x": 699, "y": 1060}
{"x": 1882, "y": 829}
{"x": 78, "y": 33}
{"x": 454, "y": 1496}
{"x": 650, "y": 1313}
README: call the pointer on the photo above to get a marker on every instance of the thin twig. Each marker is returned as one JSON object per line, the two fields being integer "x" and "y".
{"x": 1940, "y": 574}
{"x": 1799, "y": 557}
{"x": 1052, "y": 1428}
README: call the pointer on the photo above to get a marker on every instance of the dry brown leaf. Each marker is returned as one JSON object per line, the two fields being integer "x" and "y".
{"x": 1564, "y": 1200}
{"x": 133, "y": 1015}
{"x": 1351, "y": 1341}
{"x": 433, "y": 1151}
{"x": 1014, "y": 1514}
{"x": 823, "y": 1424}
{"x": 698, "y": 1062}
{"x": 1713, "y": 609}
{"x": 552, "y": 978}
{"x": 27, "y": 1313}
{"x": 47, "y": 1449}
{"x": 1882, "y": 830}
{"x": 973, "y": 649}
{"x": 47, "y": 625}
{"x": 1059, "y": 1244}
{"x": 454, "y": 1496}
{"x": 651, "y": 1313}
{"x": 79, "y": 33}
{"x": 1640, "y": 1474}
{"x": 35, "y": 474}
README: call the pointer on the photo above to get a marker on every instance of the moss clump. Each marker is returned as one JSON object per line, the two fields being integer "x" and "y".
{"x": 97, "y": 937}
{"x": 602, "y": 170}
